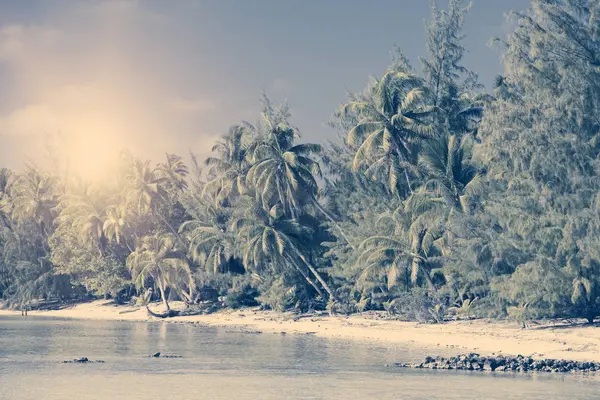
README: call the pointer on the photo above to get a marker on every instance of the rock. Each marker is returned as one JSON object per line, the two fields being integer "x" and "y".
{"x": 82, "y": 360}
{"x": 475, "y": 362}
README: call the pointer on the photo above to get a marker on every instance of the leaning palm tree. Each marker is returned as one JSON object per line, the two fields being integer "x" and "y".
{"x": 392, "y": 118}
{"x": 270, "y": 242}
{"x": 283, "y": 173}
{"x": 156, "y": 257}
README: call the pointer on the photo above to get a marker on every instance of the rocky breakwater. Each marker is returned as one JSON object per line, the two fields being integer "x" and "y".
{"x": 500, "y": 363}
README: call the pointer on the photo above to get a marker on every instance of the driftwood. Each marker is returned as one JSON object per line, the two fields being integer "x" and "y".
{"x": 197, "y": 309}
{"x": 168, "y": 314}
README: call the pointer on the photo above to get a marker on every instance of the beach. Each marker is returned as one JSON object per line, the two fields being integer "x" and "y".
{"x": 551, "y": 339}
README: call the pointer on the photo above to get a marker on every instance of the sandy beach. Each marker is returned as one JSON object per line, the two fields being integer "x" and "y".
{"x": 560, "y": 340}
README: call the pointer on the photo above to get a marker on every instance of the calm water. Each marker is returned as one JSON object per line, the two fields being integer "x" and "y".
{"x": 224, "y": 364}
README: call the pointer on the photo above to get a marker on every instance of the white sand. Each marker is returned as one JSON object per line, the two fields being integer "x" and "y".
{"x": 550, "y": 340}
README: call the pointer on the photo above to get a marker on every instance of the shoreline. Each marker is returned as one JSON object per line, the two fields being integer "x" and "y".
{"x": 552, "y": 339}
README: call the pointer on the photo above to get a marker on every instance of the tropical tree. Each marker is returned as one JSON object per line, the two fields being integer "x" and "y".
{"x": 271, "y": 243}
{"x": 84, "y": 208}
{"x": 33, "y": 195}
{"x": 145, "y": 191}
{"x": 393, "y": 117}
{"x": 116, "y": 226}
{"x": 157, "y": 258}
{"x": 173, "y": 172}
{"x": 212, "y": 243}
{"x": 450, "y": 172}
{"x": 229, "y": 168}
{"x": 282, "y": 172}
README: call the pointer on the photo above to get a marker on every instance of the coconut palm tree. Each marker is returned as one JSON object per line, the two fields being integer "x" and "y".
{"x": 34, "y": 195}
{"x": 144, "y": 189}
{"x": 173, "y": 172}
{"x": 157, "y": 257}
{"x": 283, "y": 173}
{"x": 451, "y": 174}
{"x": 211, "y": 242}
{"x": 115, "y": 226}
{"x": 84, "y": 208}
{"x": 396, "y": 250}
{"x": 229, "y": 168}
{"x": 145, "y": 192}
{"x": 271, "y": 242}
{"x": 5, "y": 177}
{"x": 392, "y": 119}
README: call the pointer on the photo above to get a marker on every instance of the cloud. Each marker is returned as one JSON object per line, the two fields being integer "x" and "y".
{"x": 34, "y": 119}
{"x": 98, "y": 72}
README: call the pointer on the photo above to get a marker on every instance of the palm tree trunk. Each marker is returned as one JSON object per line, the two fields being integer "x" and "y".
{"x": 177, "y": 236}
{"x": 99, "y": 245}
{"x": 161, "y": 287}
{"x": 310, "y": 281}
{"x": 418, "y": 266}
{"x": 408, "y": 181}
{"x": 318, "y": 276}
{"x": 430, "y": 284}
{"x": 330, "y": 218}
{"x": 180, "y": 240}
{"x": 128, "y": 246}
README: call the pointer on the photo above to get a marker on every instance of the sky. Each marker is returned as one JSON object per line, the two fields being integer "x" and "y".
{"x": 171, "y": 76}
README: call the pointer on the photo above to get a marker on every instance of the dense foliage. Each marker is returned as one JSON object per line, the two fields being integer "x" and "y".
{"x": 438, "y": 199}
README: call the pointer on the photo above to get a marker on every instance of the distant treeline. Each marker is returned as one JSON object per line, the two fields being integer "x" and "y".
{"x": 437, "y": 199}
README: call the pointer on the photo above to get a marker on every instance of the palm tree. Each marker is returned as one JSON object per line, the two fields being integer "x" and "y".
{"x": 115, "y": 226}
{"x": 396, "y": 250}
{"x": 34, "y": 196}
{"x": 156, "y": 257}
{"x": 392, "y": 119}
{"x": 5, "y": 178}
{"x": 283, "y": 173}
{"x": 173, "y": 172}
{"x": 428, "y": 217}
{"x": 145, "y": 191}
{"x": 145, "y": 188}
{"x": 211, "y": 242}
{"x": 271, "y": 242}
{"x": 446, "y": 162}
{"x": 465, "y": 111}
{"x": 84, "y": 208}
{"x": 230, "y": 167}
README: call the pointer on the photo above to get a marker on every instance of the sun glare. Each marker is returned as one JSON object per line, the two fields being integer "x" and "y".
{"x": 93, "y": 156}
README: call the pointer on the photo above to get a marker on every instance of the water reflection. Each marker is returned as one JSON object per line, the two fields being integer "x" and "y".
{"x": 221, "y": 364}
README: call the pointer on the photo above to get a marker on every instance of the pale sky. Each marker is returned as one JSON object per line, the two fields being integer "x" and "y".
{"x": 169, "y": 76}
